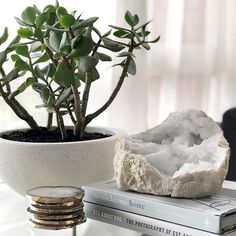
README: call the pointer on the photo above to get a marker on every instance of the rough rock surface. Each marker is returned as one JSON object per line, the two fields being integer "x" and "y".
{"x": 186, "y": 156}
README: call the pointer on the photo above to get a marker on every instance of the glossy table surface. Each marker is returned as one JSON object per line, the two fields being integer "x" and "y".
{"x": 14, "y": 219}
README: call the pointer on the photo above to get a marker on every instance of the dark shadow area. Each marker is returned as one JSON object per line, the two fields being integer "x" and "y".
{"x": 229, "y": 128}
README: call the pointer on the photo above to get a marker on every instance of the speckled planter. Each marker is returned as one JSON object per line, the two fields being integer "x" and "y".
{"x": 27, "y": 165}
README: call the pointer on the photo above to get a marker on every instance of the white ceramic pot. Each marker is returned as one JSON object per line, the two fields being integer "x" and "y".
{"x": 26, "y": 165}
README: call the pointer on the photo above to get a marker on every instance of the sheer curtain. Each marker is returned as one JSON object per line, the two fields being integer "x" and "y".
{"x": 193, "y": 65}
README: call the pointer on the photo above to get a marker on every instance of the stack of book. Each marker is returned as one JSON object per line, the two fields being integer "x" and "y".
{"x": 161, "y": 216}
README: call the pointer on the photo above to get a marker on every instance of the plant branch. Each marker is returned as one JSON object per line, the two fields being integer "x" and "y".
{"x": 60, "y": 123}
{"x": 19, "y": 110}
{"x": 71, "y": 114}
{"x": 88, "y": 83}
{"x": 7, "y": 84}
{"x": 78, "y": 113}
{"x": 50, "y": 55}
{"x": 90, "y": 117}
{"x": 49, "y": 122}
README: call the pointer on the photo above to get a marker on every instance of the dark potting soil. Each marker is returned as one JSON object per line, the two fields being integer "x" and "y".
{"x": 49, "y": 136}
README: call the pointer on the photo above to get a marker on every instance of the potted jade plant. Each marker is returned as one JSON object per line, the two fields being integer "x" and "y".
{"x": 56, "y": 54}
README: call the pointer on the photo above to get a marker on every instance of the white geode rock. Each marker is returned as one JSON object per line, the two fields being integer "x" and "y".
{"x": 186, "y": 156}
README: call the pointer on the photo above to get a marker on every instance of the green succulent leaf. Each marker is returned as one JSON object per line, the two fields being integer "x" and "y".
{"x": 80, "y": 77}
{"x": 63, "y": 97}
{"x": 35, "y": 46}
{"x": 21, "y": 22}
{"x": 66, "y": 21}
{"x": 38, "y": 86}
{"x": 50, "y": 70}
{"x": 114, "y": 48}
{"x": 155, "y": 40}
{"x": 50, "y": 8}
{"x": 36, "y": 9}
{"x": 86, "y": 63}
{"x": 138, "y": 38}
{"x": 25, "y": 32}
{"x": 120, "y": 28}
{"x": 23, "y": 51}
{"x": 129, "y": 19}
{"x": 132, "y": 67}
{"x": 39, "y": 73}
{"x": 41, "y": 19}
{"x": 103, "y": 56}
{"x": 57, "y": 4}
{"x": 122, "y": 34}
{"x": 55, "y": 40}
{"x": 146, "y": 46}
{"x": 85, "y": 23}
{"x": 15, "y": 57}
{"x": 22, "y": 65}
{"x": 83, "y": 47}
{"x": 22, "y": 87}
{"x": 38, "y": 33}
{"x": 61, "y": 11}
{"x": 75, "y": 41}
{"x": 143, "y": 25}
{"x": 4, "y": 36}
{"x": 125, "y": 54}
{"x": 45, "y": 92}
{"x": 52, "y": 18}
{"x": 95, "y": 74}
{"x": 65, "y": 43}
{"x": 41, "y": 59}
{"x": 3, "y": 58}
{"x": 136, "y": 19}
{"x": 106, "y": 34}
{"x": 29, "y": 15}
{"x": 110, "y": 42}
{"x": 63, "y": 75}
{"x": 143, "y": 33}
{"x": 13, "y": 74}
{"x": 14, "y": 41}
{"x": 51, "y": 101}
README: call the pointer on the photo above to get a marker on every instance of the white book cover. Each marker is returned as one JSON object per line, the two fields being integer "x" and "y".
{"x": 216, "y": 214}
{"x": 142, "y": 224}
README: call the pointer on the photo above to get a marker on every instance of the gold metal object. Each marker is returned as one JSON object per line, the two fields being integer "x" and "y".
{"x": 51, "y": 227}
{"x": 56, "y": 210}
{"x": 59, "y": 222}
{"x": 55, "y": 194}
{"x": 56, "y": 207}
{"x": 64, "y": 216}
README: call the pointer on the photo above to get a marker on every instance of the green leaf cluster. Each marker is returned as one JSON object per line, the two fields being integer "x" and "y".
{"x": 55, "y": 51}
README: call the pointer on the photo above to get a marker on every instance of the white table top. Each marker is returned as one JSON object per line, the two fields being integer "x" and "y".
{"x": 14, "y": 219}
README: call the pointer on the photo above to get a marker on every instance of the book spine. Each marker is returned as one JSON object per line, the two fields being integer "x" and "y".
{"x": 170, "y": 213}
{"x": 142, "y": 224}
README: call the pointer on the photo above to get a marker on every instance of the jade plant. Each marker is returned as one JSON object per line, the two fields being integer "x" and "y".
{"x": 56, "y": 53}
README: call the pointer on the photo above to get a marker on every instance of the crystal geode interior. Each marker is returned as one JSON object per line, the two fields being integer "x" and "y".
{"x": 186, "y": 156}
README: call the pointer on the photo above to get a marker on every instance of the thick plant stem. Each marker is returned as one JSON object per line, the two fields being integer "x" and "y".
{"x": 7, "y": 85}
{"x": 19, "y": 110}
{"x": 86, "y": 93}
{"x": 60, "y": 124}
{"x": 78, "y": 128}
{"x": 50, "y": 118}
